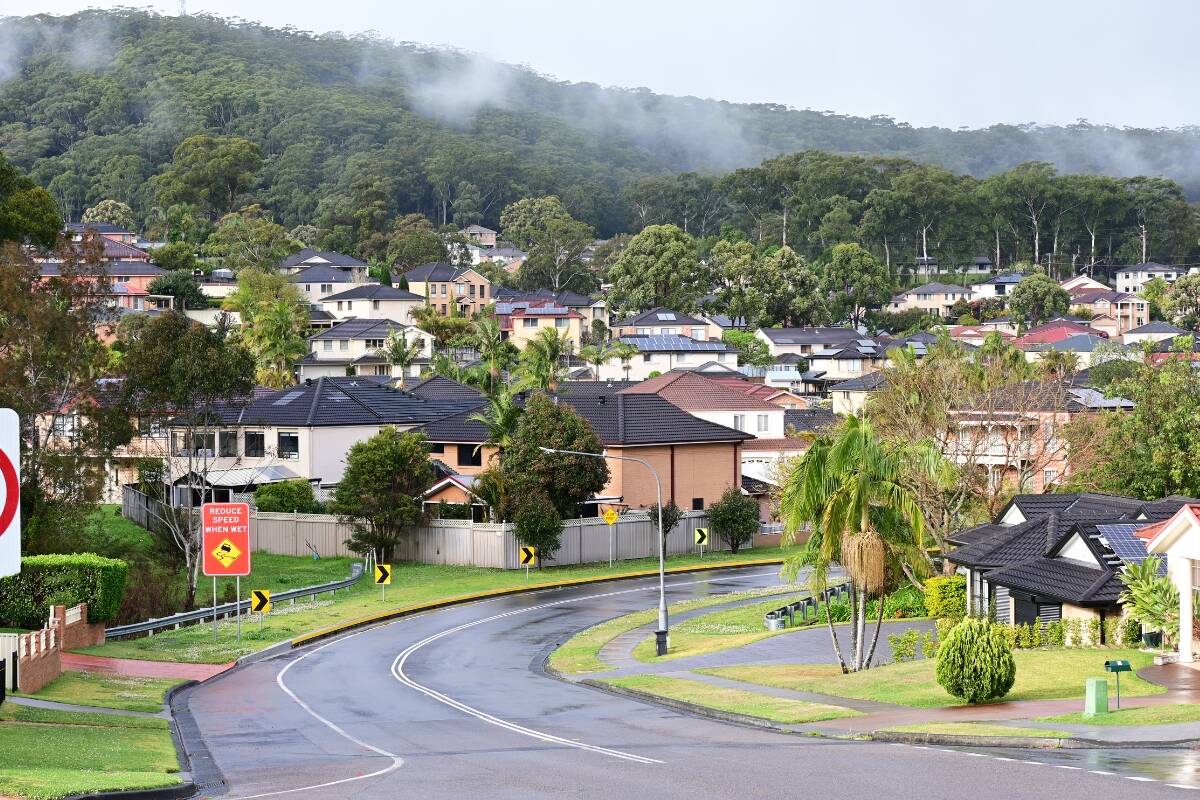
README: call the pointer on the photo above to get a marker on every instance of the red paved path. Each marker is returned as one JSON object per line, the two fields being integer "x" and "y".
{"x": 142, "y": 669}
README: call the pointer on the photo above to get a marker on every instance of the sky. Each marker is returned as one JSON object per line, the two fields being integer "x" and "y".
{"x": 954, "y": 63}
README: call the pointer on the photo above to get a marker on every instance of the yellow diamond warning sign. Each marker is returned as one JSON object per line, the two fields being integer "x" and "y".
{"x": 226, "y": 553}
{"x": 611, "y": 516}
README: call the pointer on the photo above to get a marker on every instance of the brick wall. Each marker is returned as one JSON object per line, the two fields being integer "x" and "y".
{"x": 74, "y": 631}
{"x": 39, "y": 653}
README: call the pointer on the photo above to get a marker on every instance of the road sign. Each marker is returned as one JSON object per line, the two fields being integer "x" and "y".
{"x": 226, "y": 545}
{"x": 10, "y": 484}
{"x": 260, "y": 601}
{"x": 383, "y": 574}
{"x": 701, "y": 536}
{"x": 528, "y": 555}
{"x": 610, "y": 517}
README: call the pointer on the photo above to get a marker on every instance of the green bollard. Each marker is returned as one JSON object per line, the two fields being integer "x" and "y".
{"x": 1095, "y": 700}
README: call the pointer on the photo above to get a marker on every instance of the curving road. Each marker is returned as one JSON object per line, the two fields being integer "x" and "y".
{"x": 453, "y": 704}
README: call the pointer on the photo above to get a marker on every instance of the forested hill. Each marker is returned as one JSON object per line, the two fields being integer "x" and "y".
{"x": 94, "y": 104}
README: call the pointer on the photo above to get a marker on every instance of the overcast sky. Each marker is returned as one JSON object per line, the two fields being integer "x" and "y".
{"x": 928, "y": 62}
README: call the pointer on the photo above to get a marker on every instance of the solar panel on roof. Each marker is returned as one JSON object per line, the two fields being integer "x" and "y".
{"x": 1122, "y": 541}
{"x": 865, "y": 343}
{"x": 667, "y": 316}
{"x": 287, "y": 398}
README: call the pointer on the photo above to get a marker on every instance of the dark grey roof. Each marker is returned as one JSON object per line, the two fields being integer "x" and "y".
{"x": 872, "y": 381}
{"x": 809, "y": 420}
{"x": 658, "y": 316}
{"x": 1062, "y": 580}
{"x": 437, "y": 387}
{"x": 355, "y": 328}
{"x": 814, "y": 335}
{"x": 976, "y": 534}
{"x": 726, "y": 322}
{"x": 434, "y": 271}
{"x": 1148, "y": 267}
{"x": 308, "y": 254}
{"x": 98, "y": 227}
{"x": 321, "y": 273}
{"x": 374, "y": 291}
{"x": 637, "y": 419}
{"x": 755, "y": 486}
{"x": 1158, "y": 326}
{"x": 938, "y": 288}
{"x": 1006, "y": 277}
{"x": 336, "y": 402}
{"x": 51, "y": 269}
{"x": 565, "y": 298}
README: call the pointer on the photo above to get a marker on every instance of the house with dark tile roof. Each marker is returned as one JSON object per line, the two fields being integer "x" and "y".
{"x": 322, "y": 280}
{"x": 932, "y": 298}
{"x": 804, "y": 341}
{"x": 373, "y": 301}
{"x": 666, "y": 322}
{"x": 1157, "y": 331}
{"x": 661, "y": 354}
{"x": 353, "y": 347}
{"x": 356, "y": 269}
{"x": 447, "y": 286}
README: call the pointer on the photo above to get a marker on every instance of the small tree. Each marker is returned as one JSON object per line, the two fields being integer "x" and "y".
{"x": 378, "y": 491}
{"x": 734, "y": 518}
{"x": 1037, "y": 298}
{"x": 183, "y": 289}
{"x": 1152, "y": 599}
{"x": 287, "y": 497}
{"x": 975, "y": 662}
{"x": 114, "y": 212}
{"x": 671, "y": 514}
{"x": 538, "y": 524}
{"x": 751, "y": 349}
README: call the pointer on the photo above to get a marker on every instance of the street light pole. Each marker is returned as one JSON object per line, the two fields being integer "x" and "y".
{"x": 662, "y": 635}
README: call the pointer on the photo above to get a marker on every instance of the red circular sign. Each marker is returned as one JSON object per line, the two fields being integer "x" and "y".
{"x": 12, "y": 491}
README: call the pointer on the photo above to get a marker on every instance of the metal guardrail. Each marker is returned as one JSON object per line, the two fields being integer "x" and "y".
{"x": 151, "y": 626}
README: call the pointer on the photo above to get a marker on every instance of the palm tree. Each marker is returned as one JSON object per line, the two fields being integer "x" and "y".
{"x": 594, "y": 355}
{"x": 1059, "y": 364}
{"x": 501, "y": 415}
{"x": 543, "y": 358}
{"x": 488, "y": 341}
{"x": 856, "y": 493}
{"x": 625, "y": 352}
{"x": 398, "y": 351}
{"x": 273, "y": 335}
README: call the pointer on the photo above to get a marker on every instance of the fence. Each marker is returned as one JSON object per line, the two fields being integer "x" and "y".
{"x": 454, "y": 542}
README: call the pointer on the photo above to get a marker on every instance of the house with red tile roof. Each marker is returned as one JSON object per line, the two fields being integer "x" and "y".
{"x": 1053, "y": 331}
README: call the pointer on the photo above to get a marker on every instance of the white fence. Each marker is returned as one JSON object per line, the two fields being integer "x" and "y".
{"x": 8, "y": 652}
{"x": 455, "y": 542}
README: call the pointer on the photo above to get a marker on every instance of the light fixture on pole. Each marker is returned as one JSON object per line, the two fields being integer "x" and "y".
{"x": 662, "y": 635}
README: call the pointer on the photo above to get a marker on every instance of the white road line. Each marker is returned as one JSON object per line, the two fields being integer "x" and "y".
{"x": 397, "y": 762}
{"x": 1139, "y": 778}
{"x": 1066, "y": 766}
{"x": 1182, "y": 786}
{"x": 1100, "y": 772}
{"x": 402, "y": 677}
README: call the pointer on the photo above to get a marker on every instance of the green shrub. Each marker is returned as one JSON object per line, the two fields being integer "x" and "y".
{"x": 1024, "y": 636}
{"x": 1075, "y": 629}
{"x": 906, "y": 602}
{"x": 838, "y": 612}
{"x": 1112, "y": 627}
{"x": 904, "y": 645}
{"x": 974, "y": 662}
{"x": 1093, "y": 631}
{"x": 1036, "y": 638}
{"x": 25, "y": 598}
{"x": 929, "y": 644}
{"x": 944, "y": 625}
{"x": 1056, "y": 633}
{"x": 946, "y": 596}
{"x": 1131, "y": 632}
{"x": 287, "y": 496}
{"x": 453, "y": 510}
{"x": 1009, "y": 632}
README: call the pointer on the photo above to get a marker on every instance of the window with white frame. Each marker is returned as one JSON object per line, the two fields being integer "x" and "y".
{"x": 764, "y": 422}
{"x": 739, "y": 422}
{"x": 529, "y": 322}
{"x": 699, "y": 334}
{"x": 343, "y": 344}
{"x": 374, "y": 344}
{"x": 327, "y": 344}
{"x": 561, "y": 322}
{"x": 289, "y": 445}
{"x": 375, "y": 305}
{"x": 1049, "y": 477}
{"x": 326, "y": 288}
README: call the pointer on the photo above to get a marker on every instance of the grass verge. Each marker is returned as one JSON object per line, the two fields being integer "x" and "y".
{"x": 412, "y": 585}
{"x": 1041, "y": 675}
{"x": 581, "y": 653}
{"x": 736, "y": 701}
{"x": 45, "y": 754}
{"x": 100, "y": 689}
{"x": 979, "y": 729}
{"x": 1146, "y": 715}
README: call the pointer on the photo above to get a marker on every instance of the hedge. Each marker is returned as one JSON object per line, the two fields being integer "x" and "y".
{"x": 946, "y": 596}
{"x": 70, "y": 579}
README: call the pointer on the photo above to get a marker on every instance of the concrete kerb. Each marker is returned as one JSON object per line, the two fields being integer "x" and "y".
{"x": 397, "y": 613}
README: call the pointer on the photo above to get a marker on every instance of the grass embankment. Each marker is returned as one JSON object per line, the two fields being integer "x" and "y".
{"x": 581, "y": 653}
{"x": 412, "y": 585}
{"x": 1041, "y": 675}
{"x": 736, "y": 701}
{"x": 979, "y": 729}
{"x": 1146, "y": 715}
{"x": 46, "y": 754}
{"x": 125, "y": 692}
{"x": 720, "y": 630}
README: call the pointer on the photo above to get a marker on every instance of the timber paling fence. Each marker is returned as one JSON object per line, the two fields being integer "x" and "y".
{"x": 451, "y": 541}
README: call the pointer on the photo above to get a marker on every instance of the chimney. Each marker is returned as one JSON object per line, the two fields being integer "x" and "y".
{"x": 1051, "y": 530}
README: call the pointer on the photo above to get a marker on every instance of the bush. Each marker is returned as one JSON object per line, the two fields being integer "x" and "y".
{"x": 25, "y": 598}
{"x": 453, "y": 510}
{"x": 1009, "y": 632}
{"x": 1056, "y": 633}
{"x": 1131, "y": 631}
{"x": 1093, "y": 629}
{"x": 734, "y": 518}
{"x": 839, "y": 612}
{"x": 905, "y": 602}
{"x": 1025, "y": 636}
{"x": 944, "y": 625}
{"x": 1036, "y": 639}
{"x": 287, "y": 497}
{"x": 1075, "y": 631}
{"x": 1111, "y": 629}
{"x": 904, "y": 645}
{"x": 946, "y": 596}
{"x": 929, "y": 644}
{"x": 975, "y": 663}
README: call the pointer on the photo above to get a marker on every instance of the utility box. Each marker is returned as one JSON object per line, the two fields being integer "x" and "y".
{"x": 1095, "y": 699}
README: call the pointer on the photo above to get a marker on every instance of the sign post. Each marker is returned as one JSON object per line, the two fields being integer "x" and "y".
{"x": 383, "y": 577}
{"x": 10, "y": 483}
{"x": 528, "y": 556}
{"x": 610, "y": 516}
{"x": 225, "y": 545}
{"x": 701, "y": 539}
{"x": 260, "y": 602}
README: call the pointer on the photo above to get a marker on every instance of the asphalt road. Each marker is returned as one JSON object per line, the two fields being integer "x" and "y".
{"x": 452, "y": 704}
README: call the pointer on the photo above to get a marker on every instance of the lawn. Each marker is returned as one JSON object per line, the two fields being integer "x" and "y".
{"x": 277, "y": 573}
{"x": 107, "y": 691}
{"x": 979, "y": 729}
{"x": 412, "y": 585}
{"x": 112, "y": 535}
{"x": 1146, "y": 715}
{"x": 736, "y": 701}
{"x": 720, "y": 630}
{"x": 1041, "y": 675}
{"x": 53, "y": 753}
{"x": 581, "y": 653}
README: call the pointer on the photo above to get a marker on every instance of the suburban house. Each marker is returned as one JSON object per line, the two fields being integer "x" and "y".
{"x": 446, "y": 286}
{"x": 522, "y": 321}
{"x": 843, "y": 362}
{"x": 1082, "y": 283}
{"x": 137, "y": 275}
{"x": 997, "y": 286}
{"x": 932, "y": 298}
{"x": 321, "y": 280}
{"x": 1177, "y": 539}
{"x": 1112, "y": 312}
{"x": 1157, "y": 331}
{"x": 507, "y": 256}
{"x": 116, "y": 243}
{"x": 664, "y": 322}
{"x": 304, "y": 431}
{"x": 1057, "y": 556}
{"x": 351, "y": 347}
{"x": 357, "y": 270}
{"x": 976, "y": 335}
{"x": 1015, "y": 433}
{"x": 373, "y": 301}
{"x": 484, "y": 237}
{"x": 662, "y": 354}
{"x": 593, "y": 310}
{"x": 803, "y": 341}
{"x": 772, "y": 394}
{"x": 1081, "y": 345}
{"x": 850, "y": 396}
{"x": 1131, "y": 279}
{"x": 1054, "y": 331}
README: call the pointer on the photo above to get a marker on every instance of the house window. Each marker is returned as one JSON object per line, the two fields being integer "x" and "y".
{"x": 326, "y": 288}
{"x": 763, "y": 422}
{"x": 721, "y": 356}
{"x": 1049, "y": 477}
{"x": 482, "y": 291}
{"x": 698, "y": 334}
{"x": 646, "y": 357}
{"x": 697, "y": 504}
{"x": 308, "y": 287}
{"x": 853, "y": 365}
{"x": 343, "y": 344}
{"x": 228, "y": 444}
{"x": 443, "y": 308}
{"x": 289, "y": 445}
{"x": 470, "y": 456}
{"x": 444, "y": 292}
{"x": 375, "y": 305}
{"x": 670, "y": 331}
{"x": 459, "y": 290}
{"x": 339, "y": 305}
{"x": 327, "y": 344}
{"x": 643, "y": 331}
{"x": 739, "y": 422}
{"x": 529, "y": 323}
{"x": 561, "y": 322}
{"x": 66, "y": 425}
{"x": 349, "y": 305}
{"x": 374, "y": 344}
{"x": 151, "y": 428}
{"x": 436, "y": 448}
{"x": 472, "y": 289}
{"x": 256, "y": 444}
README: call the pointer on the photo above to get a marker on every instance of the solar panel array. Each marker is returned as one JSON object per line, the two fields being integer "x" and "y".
{"x": 1121, "y": 539}
{"x": 676, "y": 343}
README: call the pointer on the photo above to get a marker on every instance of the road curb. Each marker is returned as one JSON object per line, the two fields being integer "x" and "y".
{"x": 397, "y": 613}
{"x": 179, "y": 791}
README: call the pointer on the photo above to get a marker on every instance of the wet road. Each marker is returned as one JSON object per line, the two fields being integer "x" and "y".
{"x": 452, "y": 704}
